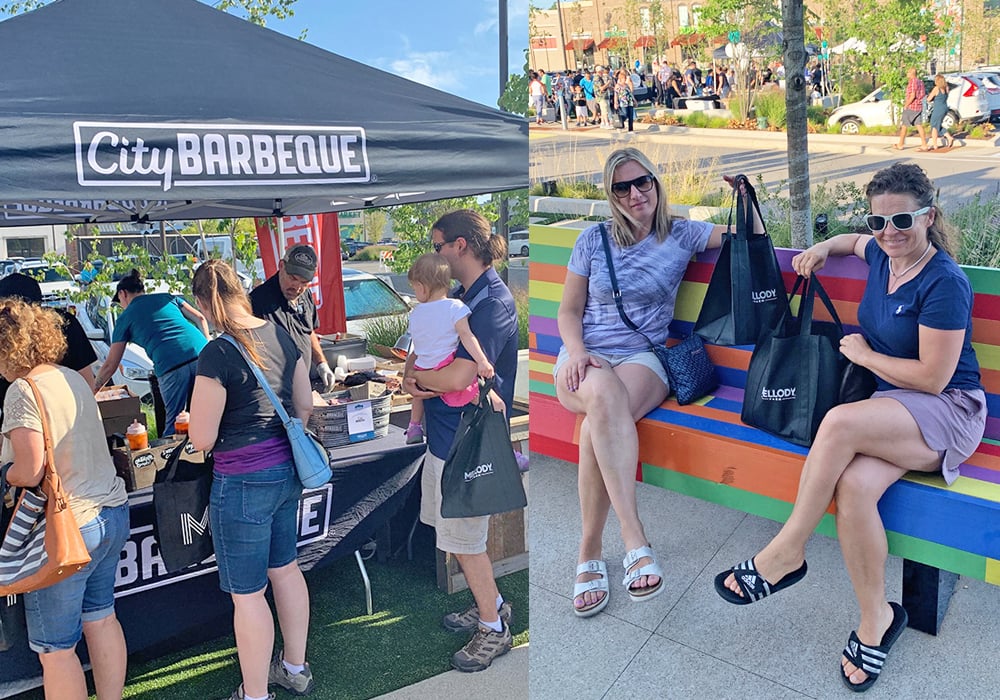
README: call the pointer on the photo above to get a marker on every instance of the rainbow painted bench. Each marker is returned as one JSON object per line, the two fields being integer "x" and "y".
{"x": 704, "y": 450}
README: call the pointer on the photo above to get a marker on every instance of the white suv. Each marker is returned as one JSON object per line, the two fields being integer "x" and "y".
{"x": 517, "y": 243}
{"x": 967, "y": 101}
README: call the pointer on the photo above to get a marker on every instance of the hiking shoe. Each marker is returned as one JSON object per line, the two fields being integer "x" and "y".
{"x": 479, "y": 652}
{"x": 238, "y": 694}
{"x": 414, "y": 434}
{"x": 468, "y": 620}
{"x": 295, "y": 683}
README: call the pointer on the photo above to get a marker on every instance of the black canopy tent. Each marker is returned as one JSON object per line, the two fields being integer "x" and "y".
{"x": 143, "y": 110}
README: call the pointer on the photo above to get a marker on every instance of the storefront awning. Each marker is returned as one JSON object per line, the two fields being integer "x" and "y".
{"x": 613, "y": 43}
{"x": 645, "y": 42}
{"x": 579, "y": 44}
{"x": 687, "y": 39}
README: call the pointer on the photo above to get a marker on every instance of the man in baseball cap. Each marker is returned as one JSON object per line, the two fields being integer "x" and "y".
{"x": 284, "y": 299}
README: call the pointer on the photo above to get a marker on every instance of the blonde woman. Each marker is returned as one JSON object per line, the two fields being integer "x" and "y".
{"x": 607, "y": 373}
{"x": 938, "y": 99}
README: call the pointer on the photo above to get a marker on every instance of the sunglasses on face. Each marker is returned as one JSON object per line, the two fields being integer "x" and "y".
{"x": 901, "y": 221}
{"x": 438, "y": 246}
{"x": 643, "y": 184}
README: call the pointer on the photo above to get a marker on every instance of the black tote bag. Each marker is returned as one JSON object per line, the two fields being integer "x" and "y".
{"x": 796, "y": 371}
{"x": 180, "y": 500}
{"x": 480, "y": 476}
{"x": 746, "y": 295}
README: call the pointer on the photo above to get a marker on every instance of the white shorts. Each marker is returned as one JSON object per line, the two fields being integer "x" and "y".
{"x": 646, "y": 358}
{"x": 455, "y": 535}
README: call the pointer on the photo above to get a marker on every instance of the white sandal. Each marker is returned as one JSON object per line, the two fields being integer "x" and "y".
{"x": 599, "y": 585}
{"x": 633, "y": 575}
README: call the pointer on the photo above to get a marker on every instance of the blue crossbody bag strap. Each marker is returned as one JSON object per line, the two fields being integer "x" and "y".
{"x": 278, "y": 407}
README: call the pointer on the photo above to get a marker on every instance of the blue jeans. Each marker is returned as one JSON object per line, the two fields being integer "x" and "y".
{"x": 254, "y": 525}
{"x": 55, "y": 615}
{"x": 175, "y": 387}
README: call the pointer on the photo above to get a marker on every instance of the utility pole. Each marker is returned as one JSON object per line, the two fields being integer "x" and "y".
{"x": 503, "y": 213}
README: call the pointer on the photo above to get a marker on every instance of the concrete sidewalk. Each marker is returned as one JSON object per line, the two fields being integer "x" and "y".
{"x": 689, "y": 643}
{"x": 507, "y": 677}
{"x": 750, "y": 139}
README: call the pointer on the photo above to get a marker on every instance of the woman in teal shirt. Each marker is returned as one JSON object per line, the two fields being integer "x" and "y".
{"x": 171, "y": 331}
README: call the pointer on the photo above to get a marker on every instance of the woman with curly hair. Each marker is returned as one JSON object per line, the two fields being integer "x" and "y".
{"x": 82, "y": 604}
{"x": 927, "y": 415}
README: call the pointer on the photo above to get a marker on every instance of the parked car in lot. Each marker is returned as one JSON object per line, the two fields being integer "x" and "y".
{"x": 991, "y": 85}
{"x": 367, "y": 296}
{"x": 967, "y": 101}
{"x": 517, "y": 243}
{"x": 56, "y": 280}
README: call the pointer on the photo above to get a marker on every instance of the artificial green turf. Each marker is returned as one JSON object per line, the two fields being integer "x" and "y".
{"x": 351, "y": 654}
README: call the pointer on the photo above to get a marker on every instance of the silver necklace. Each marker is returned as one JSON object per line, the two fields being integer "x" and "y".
{"x": 919, "y": 260}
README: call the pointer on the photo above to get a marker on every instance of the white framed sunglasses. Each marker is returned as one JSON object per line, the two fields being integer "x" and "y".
{"x": 901, "y": 221}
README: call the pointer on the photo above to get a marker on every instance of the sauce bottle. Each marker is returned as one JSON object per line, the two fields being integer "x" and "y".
{"x": 181, "y": 423}
{"x": 138, "y": 438}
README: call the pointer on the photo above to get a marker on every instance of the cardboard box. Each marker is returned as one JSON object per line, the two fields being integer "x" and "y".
{"x": 119, "y": 424}
{"x": 116, "y": 401}
{"x": 138, "y": 469}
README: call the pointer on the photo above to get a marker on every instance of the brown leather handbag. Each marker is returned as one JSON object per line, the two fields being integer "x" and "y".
{"x": 42, "y": 544}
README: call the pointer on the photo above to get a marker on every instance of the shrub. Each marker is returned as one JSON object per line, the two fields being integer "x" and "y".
{"x": 696, "y": 120}
{"x": 816, "y": 115}
{"x": 384, "y": 330}
{"x": 854, "y": 90}
{"x": 521, "y": 302}
{"x": 978, "y": 220}
{"x": 771, "y": 104}
{"x": 844, "y": 206}
{"x": 371, "y": 252}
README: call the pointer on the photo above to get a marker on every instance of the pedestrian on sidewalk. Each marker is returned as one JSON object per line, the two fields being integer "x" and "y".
{"x": 913, "y": 110}
{"x": 603, "y": 90}
{"x": 625, "y": 98}
{"x": 938, "y": 100}
{"x": 464, "y": 238}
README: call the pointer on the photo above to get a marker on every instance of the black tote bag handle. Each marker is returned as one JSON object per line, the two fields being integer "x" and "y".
{"x": 811, "y": 288}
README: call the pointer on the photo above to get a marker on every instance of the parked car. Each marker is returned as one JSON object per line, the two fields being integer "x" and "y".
{"x": 967, "y": 101}
{"x": 97, "y": 315}
{"x": 56, "y": 280}
{"x": 517, "y": 243}
{"x": 991, "y": 85}
{"x": 367, "y": 296}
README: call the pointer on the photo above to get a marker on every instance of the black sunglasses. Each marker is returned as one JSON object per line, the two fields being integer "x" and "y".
{"x": 901, "y": 221}
{"x": 438, "y": 246}
{"x": 643, "y": 184}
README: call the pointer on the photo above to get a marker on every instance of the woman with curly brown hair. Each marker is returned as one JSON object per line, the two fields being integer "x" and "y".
{"x": 82, "y": 604}
{"x": 927, "y": 415}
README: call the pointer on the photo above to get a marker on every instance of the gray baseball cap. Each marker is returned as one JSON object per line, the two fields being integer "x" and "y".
{"x": 301, "y": 260}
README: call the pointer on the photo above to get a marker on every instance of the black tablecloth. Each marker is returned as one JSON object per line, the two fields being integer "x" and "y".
{"x": 371, "y": 481}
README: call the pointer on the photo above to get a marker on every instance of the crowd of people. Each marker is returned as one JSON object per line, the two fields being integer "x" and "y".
{"x": 203, "y": 355}
{"x": 915, "y": 319}
{"x": 596, "y": 95}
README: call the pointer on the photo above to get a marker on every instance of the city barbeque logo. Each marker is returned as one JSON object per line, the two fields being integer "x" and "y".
{"x": 121, "y": 154}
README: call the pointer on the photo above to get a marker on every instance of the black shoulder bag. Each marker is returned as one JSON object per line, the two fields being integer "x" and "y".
{"x": 688, "y": 367}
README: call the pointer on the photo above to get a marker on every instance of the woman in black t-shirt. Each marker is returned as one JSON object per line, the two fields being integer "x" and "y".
{"x": 255, "y": 490}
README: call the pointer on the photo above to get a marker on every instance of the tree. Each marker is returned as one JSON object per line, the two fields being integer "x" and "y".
{"x": 753, "y": 25}
{"x": 256, "y": 11}
{"x": 515, "y": 95}
{"x": 796, "y": 121}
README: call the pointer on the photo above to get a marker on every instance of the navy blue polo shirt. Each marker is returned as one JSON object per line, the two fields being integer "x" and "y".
{"x": 494, "y": 323}
{"x": 939, "y": 297}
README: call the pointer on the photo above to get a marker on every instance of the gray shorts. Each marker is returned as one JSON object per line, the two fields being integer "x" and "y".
{"x": 952, "y": 422}
{"x": 912, "y": 117}
{"x": 646, "y": 358}
{"x": 455, "y": 535}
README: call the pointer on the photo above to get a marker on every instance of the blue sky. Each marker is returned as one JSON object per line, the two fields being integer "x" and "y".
{"x": 451, "y": 45}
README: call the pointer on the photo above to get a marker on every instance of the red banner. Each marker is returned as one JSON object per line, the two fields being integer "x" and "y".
{"x": 322, "y": 232}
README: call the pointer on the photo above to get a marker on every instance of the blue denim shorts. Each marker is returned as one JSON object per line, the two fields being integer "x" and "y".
{"x": 254, "y": 526}
{"x": 55, "y": 615}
